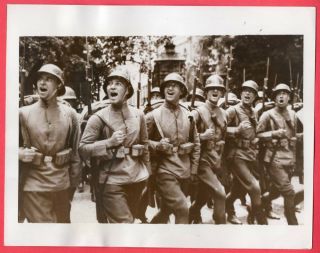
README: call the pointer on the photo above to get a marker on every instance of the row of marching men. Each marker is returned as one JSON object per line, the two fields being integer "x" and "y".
{"x": 173, "y": 150}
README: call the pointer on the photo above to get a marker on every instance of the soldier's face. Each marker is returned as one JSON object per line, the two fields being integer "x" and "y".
{"x": 47, "y": 86}
{"x": 117, "y": 91}
{"x": 213, "y": 95}
{"x": 172, "y": 92}
{"x": 248, "y": 96}
{"x": 156, "y": 96}
{"x": 282, "y": 99}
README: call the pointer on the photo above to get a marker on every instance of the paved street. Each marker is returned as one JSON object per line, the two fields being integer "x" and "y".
{"x": 83, "y": 209}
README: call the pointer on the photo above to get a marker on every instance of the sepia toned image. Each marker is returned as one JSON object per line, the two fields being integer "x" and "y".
{"x": 218, "y": 130}
{"x": 135, "y": 133}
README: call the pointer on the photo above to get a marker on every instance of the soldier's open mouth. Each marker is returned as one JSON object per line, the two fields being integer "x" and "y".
{"x": 281, "y": 101}
{"x": 42, "y": 89}
{"x": 113, "y": 94}
{"x": 170, "y": 93}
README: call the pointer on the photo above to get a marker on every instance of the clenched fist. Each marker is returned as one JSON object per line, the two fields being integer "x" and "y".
{"x": 280, "y": 133}
{"x": 207, "y": 135}
{"x": 117, "y": 138}
{"x": 26, "y": 154}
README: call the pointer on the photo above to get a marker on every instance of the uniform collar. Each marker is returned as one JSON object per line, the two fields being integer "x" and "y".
{"x": 171, "y": 107}
{"x": 122, "y": 108}
{"x": 48, "y": 104}
{"x": 210, "y": 105}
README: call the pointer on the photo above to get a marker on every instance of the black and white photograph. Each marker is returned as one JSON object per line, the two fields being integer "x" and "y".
{"x": 160, "y": 130}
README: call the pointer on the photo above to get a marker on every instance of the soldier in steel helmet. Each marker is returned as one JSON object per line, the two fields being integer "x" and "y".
{"x": 212, "y": 125}
{"x": 278, "y": 129}
{"x": 116, "y": 138}
{"x": 155, "y": 94}
{"x": 175, "y": 143}
{"x": 48, "y": 151}
{"x": 242, "y": 153}
{"x": 199, "y": 95}
{"x": 70, "y": 97}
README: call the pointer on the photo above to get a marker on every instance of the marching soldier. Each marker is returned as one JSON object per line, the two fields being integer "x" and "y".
{"x": 212, "y": 125}
{"x": 199, "y": 95}
{"x": 116, "y": 137}
{"x": 277, "y": 128}
{"x": 242, "y": 152}
{"x": 155, "y": 94}
{"x": 48, "y": 152}
{"x": 174, "y": 138}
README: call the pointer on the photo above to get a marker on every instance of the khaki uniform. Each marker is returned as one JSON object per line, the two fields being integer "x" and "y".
{"x": 280, "y": 155}
{"x": 173, "y": 169}
{"x": 53, "y": 131}
{"x": 122, "y": 170}
{"x": 210, "y": 116}
{"x": 242, "y": 158}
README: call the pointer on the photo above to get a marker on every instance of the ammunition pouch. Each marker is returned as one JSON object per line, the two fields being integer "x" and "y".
{"x": 246, "y": 144}
{"x": 216, "y": 145}
{"x": 182, "y": 149}
{"x": 283, "y": 143}
{"x": 136, "y": 150}
{"x": 61, "y": 158}
{"x": 185, "y": 148}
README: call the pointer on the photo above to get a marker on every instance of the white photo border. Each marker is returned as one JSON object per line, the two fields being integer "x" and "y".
{"x": 67, "y": 20}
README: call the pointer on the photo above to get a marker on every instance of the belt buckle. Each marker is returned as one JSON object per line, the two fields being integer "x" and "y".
{"x": 126, "y": 151}
{"x": 47, "y": 159}
{"x": 175, "y": 149}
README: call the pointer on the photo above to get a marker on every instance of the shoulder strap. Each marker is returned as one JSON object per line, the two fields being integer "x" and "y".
{"x": 104, "y": 120}
{"x": 199, "y": 110}
{"x": 24, "y": 131}
{"x": 156, "y": 113}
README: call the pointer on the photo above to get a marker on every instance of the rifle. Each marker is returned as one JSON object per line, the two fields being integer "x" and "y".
{"x": 275, "y": 80}
{"x": 23, "y": 83}
{"x": 265, "y": 85}
{"x": 139, "y": 88}
{"x": 291, "y": 81}
{"x": 296, "y": 97}
{"x": 148, "y": 106}
{"x": 229, "y": 68}
{"x": 244, "y": 74}
{"x": 87, "y": 78}
{"x": 196, "y": 79}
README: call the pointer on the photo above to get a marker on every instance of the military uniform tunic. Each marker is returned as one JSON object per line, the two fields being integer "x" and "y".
{"x": 235, "y": 115}
{"x": 49, "y": 128}
{"x": 173, "y": 170}
{"x": 95, "y": 142}
{"x": 280, "y": 156}
{"x": 121, "y": 179}
{"x": 213, "y": 117}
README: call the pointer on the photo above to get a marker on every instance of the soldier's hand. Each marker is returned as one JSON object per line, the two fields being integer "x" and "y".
{"x": 117, "y": 138}
{"x": 164, "y": 145}
{"x": 279, "y": 133}
{"x": 207, "y": 135}
{"x": 27, "y": 154}
{"x": 244, "y": 125}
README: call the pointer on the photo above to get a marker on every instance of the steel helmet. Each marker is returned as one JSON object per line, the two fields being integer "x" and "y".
{"x": 282, "y": 87}
{"x": 155, "y": 90}
{"x": 69, "y": 94}
{"x": 55, "y": 71}
{"x": 174, "y": 77}
{"x": 214, "y": 81}
{"x": 199, "y": 93}
{"x": 123, "y": 74}
{"x": 251, "y": 84}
